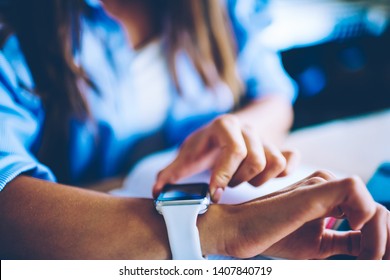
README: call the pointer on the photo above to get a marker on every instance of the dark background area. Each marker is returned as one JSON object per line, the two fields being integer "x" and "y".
{"x": 344, "y": 77}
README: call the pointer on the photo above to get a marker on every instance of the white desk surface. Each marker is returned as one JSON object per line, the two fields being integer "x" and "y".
{"x": 354, "y": 146}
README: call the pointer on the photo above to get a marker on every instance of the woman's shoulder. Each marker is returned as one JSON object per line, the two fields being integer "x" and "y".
{"x": 15, "y": 76}
{"x": 248, "y": 17}
{"x": 9, "y": 48}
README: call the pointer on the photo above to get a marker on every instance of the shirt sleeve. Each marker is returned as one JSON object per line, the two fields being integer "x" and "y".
{"x": 247, "y": 17}
{"x": 263, "y": 73}
{"x": 20, "y": 125}
{"x": 261, "y": 69}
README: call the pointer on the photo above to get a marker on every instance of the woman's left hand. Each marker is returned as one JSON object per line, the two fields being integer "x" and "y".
{"x": 235, "y": 153}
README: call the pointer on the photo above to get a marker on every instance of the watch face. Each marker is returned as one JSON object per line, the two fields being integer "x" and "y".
{"x": 183, "y": 192}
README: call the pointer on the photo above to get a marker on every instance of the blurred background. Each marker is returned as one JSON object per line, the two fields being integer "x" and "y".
{"x": 337, "y": 52}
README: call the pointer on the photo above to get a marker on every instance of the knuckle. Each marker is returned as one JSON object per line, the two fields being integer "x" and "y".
{"x": 315, "y": 181}
{"x": 227, "y": 121}
{"x": 353, "y": 184}
{"x": 325, "y": 174}
{"x": 238, "y": 151}
{"x": 249, "y": 131}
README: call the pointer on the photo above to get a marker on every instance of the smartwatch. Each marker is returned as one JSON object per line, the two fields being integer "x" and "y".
{"x": 180, "y": 204}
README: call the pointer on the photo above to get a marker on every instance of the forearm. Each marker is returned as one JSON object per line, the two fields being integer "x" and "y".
{"x": 43, "y": 220}
{"x": 271, "y": 117}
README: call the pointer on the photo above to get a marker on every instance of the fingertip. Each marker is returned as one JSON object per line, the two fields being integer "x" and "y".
{"x": 156, "y": 190}
{"x": 284, "y": 174}
{"x": 292, "y": 154}
{"x": 292, "y": 161}
{"x": 161, "y": 180}
{"x": 216, "y": 194}
{"x": 165, "y": 176}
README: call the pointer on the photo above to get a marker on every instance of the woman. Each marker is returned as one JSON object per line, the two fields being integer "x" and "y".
{"x": 83, "y": 123}
{"x": 103, "y": 131}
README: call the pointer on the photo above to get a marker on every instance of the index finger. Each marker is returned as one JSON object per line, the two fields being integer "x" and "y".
{"x": 232, "y": 152}
{"x": 350, "y": 195}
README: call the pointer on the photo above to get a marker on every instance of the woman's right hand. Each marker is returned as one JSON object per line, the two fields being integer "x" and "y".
{"x": 233, "y": 152}
{"x": 291, "y": 223}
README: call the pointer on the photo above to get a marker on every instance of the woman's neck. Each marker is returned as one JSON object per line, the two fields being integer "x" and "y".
{"x": 137, "y": 20}
{"x": 139, "y": 31}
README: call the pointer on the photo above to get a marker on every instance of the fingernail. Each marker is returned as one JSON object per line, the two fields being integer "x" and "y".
{"x": 216, "y": 196}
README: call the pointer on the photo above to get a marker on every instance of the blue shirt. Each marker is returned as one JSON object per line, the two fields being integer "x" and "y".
{"x": 123, "y": 115}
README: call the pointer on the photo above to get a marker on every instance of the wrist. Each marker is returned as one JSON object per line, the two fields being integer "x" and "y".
{"x": 217, "y": 228}
{"x": 271, "y": 117}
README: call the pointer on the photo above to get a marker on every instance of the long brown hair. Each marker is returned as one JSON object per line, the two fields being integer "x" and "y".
{"x": 48, "y": 32}
{"x": 49, "y": 35}
{"x": 202, "y": 29}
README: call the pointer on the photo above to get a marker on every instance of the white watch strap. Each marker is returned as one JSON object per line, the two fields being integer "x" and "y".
{"x": 183, "y": 233}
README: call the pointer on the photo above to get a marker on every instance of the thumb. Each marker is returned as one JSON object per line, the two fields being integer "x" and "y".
{"x": 164, "y": 177}
{"x": 340, "y": 243}
{"x": 170, "y": 174}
